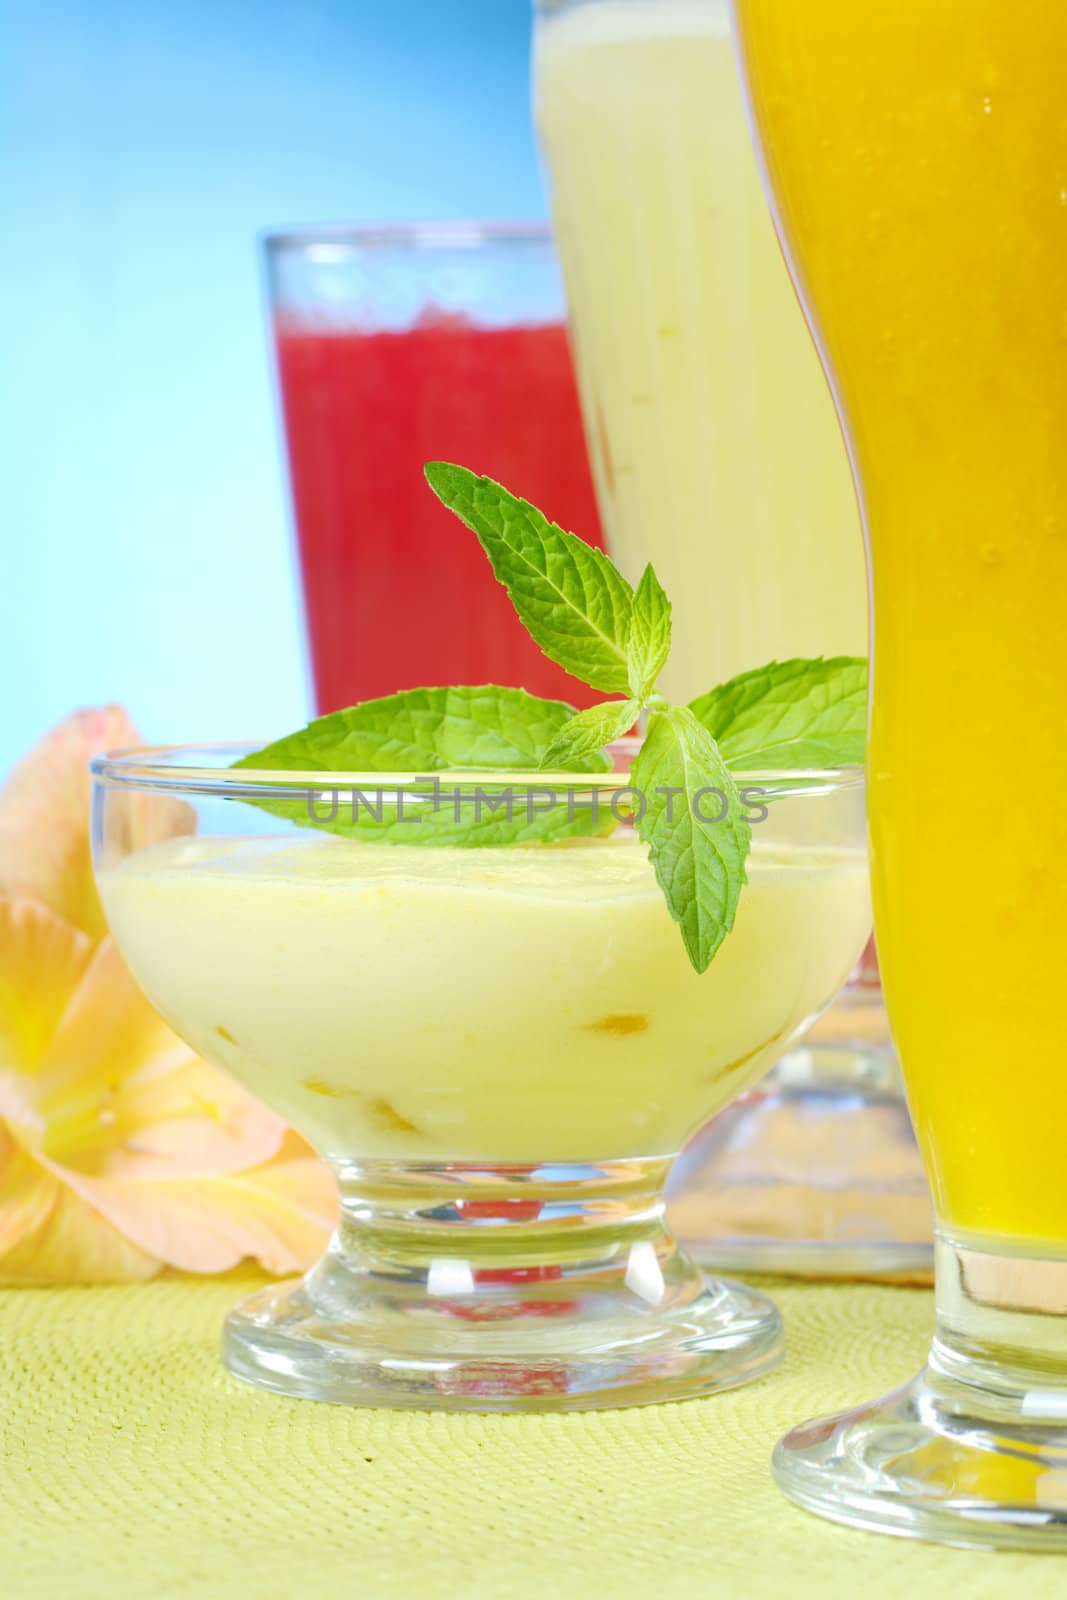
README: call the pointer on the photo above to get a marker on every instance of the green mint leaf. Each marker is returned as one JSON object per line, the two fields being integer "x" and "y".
{"x": 802, "y": 713}
{"x": 695, "y": 827}
{"x": 649, "y": 643}
{"x": 427, "y": 730}
{"x": 588, "y": 732}
{"x": 572, "y": 600}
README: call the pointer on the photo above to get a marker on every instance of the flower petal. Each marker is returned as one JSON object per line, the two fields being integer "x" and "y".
{"x": 27, "y": 1192}
{"x": 120, "y": 1150}
{"x": 44, "y": 817}
{"x": 122, "y": 1096}
{"x": 43, "y": 959}
{"x": 107, "y": 1031}
{"x": 281, "y": 1213}
{"x": 75, "y": 1243}
{"x": 191, "y": 1121}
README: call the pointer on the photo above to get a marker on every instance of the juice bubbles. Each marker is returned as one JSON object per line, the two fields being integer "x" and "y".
{"x": 394, "y": 349}
{"x": 717, "y": 453}
{"x": 918, "y": 155}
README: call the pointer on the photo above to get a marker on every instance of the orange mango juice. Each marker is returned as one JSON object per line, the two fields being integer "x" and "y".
{"x": 917, "y": 152}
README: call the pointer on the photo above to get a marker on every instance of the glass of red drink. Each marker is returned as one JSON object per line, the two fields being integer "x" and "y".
{"x": 396, "y": 346}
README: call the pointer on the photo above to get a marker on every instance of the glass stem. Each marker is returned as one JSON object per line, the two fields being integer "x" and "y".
{"x": 1002, "y": 1324}
{"x": 464, "y": 1233}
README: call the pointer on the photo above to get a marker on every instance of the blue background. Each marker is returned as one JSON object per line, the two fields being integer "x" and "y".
{"x": 146, "y": 552}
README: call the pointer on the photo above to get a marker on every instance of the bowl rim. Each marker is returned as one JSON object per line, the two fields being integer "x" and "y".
{"x": 155, "y": 767}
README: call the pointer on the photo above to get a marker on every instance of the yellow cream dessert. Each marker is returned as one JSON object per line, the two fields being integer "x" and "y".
{"x": 507, "y": 1005}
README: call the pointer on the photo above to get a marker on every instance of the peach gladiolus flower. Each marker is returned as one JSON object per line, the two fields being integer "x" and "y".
{"x": 121, "y": 1152}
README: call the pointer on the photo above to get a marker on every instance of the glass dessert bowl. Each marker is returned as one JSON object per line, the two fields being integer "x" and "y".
{"x": 498, "y": 1050}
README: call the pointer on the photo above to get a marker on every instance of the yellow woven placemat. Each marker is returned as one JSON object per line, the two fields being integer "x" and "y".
{"x": 132, "y": 1465}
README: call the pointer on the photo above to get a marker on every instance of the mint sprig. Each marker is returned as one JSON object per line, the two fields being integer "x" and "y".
{"x": 801, "y": 713}
{"x": 429, "y": 730}
{"x": 585, "y": 616}
{"x": 587, "y": 733}
{"x": 420, "y": 731}
{"x": 693, "y": 821}
{"x": 573, "y": 601}
{"x": 649, "y": 641}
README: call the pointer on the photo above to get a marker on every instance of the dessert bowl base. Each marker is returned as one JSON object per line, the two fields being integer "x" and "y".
{"x": 507, "y": 1288}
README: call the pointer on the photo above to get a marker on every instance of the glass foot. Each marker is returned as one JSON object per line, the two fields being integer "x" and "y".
{"x": 973, "y": 1452}
{"x": 928, "y": 1462}
{"x": 551, "y": 1288}
{"x": 814, "y": 1174}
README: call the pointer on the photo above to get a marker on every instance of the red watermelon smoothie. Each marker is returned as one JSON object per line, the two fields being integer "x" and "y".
{"x": 397, "y": 593}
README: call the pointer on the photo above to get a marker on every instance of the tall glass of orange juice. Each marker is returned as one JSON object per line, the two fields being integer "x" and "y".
{"x": 917, "y": 157}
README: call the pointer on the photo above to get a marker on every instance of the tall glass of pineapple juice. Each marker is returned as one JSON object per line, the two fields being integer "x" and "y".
{"x": 917, "y": 154}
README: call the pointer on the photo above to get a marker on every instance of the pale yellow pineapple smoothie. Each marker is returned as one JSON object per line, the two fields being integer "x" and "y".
{"x": 504, "y": 1004}
{"x": 717, "y": 452}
